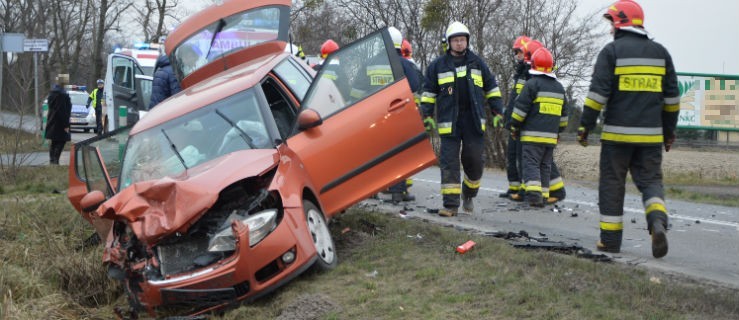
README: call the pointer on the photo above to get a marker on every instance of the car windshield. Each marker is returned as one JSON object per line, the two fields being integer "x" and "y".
{"x": 232, "y": 124}
{"x": 78, "y": 98}
{"x": 229, "y": 34}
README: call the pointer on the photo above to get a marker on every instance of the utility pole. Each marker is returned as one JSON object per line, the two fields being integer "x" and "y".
{"x": 2, "y": 63}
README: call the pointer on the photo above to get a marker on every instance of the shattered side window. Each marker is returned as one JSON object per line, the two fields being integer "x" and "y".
{"x": 229, "y": 34}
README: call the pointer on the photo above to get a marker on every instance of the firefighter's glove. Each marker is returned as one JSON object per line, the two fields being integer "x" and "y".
{"x": 429, "y": 123}
{"x": 669, "y": 140}
{"x": 497, "y": 121}
{"x": 582, "y": 136}
{"x": 514, "y": 133}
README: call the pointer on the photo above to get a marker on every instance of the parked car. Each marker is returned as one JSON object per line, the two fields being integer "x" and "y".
{"x": 223, "y": 192}
{"x": 81, "y": 117}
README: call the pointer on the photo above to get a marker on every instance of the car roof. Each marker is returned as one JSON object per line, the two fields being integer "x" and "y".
{"x": 218, "y": 87}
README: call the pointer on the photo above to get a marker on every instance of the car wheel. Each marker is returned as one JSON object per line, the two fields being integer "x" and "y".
{"x": 321, "y": 237}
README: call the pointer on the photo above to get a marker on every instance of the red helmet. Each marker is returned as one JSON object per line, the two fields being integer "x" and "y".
{"x": 542, "y": 60}
{"x": 406, "y": 49}
{"x": 328, "y": 47}
{"x": 625, "y": 13}
{"x": 530, "y": 48}
{"x": 521, "y": 42}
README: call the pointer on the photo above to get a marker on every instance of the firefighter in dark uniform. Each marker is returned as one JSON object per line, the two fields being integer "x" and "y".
{"x": 634, "y": 79}
{"x": 522, "y": 54}
{"x": 537, "y": 119}
{"x": 523, "y": 47}
{"x": 459, "y": 84}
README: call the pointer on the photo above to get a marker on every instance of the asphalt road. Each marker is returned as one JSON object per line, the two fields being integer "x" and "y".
{"x": 703, "y": 239}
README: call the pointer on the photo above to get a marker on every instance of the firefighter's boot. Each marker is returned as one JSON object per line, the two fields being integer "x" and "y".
{"x": 448, "y": 212}
{"x": 468, "y": 205}
{"x": 659, "y": 239}
{"x": 605, "y": 248}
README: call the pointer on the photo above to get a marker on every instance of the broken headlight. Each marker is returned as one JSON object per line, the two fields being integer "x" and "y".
{"x": 260, "y": 225}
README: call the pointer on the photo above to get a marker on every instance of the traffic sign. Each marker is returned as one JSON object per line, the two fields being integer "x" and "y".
{"x": 36, "y": 45}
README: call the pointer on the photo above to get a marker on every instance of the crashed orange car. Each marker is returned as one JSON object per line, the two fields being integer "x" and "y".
{"x": 223, "y": 192}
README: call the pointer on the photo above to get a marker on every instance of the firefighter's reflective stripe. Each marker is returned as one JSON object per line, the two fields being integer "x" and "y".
{"x": 533, "y": 186}
{"x": 493, "y": 93}
{"x": 550, "y": 103}
{"x": 428, "y": 97}
{"x": 672, "y": 104}
{"x": 632, "y": 134}
{"x": 563, "y": 121}
{"x": 518, "y": 114}
{"x": 445, "y": 77}
{"x": 461, "y": 71}
{"x": 477, "y": 78}
{"x": 538, "y": 137}
{"x": 451, "y": 188}
{"x": 330, "y": 74}
{"x": 482, "y": 124}
{"x": 514, "y": 186}
{"x": 545, "y": 192}
{"x": 595, "y": 101}
{"x": 519, "y": 85}
{"x": 556, "y": 184}
{"x": 357, "y": 93}
{"x": 444, "y": 127}
{"x": 611, "y": 223}
{"x": 654, "y": 204}
{"x": 472, "y": 184}
{"x": 641, "y": 75}
{"x": 380, "y": 75}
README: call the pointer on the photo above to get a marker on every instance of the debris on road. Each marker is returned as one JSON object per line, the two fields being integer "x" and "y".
{"x": 465, "y": 247}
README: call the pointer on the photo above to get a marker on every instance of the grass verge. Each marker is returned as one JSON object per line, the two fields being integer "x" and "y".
{"x": 390, "y": 268}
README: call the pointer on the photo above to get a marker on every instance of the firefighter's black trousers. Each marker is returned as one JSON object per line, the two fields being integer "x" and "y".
{"x": 537, "y": 165}
{"x": 515, "y": 174}
{"x": 645, "y": 165}
{"x": 513, "y": 165}
{"x": 465, "y": 138}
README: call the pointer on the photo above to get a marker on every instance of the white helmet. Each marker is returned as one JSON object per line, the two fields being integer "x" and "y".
{"x": 396, "y": 36}
{"x": 456, "y": 28}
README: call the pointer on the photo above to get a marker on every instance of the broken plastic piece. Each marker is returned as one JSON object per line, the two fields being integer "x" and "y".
{"x": 463, "y": 248}
{"x": 347, "y": 229}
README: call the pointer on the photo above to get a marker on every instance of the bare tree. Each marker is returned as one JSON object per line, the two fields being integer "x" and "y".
{"x": 152, "y": 15}
{"x": 108, "y": 16}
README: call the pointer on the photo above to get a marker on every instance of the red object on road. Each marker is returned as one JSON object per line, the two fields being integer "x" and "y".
{"x": 463, "y": 248}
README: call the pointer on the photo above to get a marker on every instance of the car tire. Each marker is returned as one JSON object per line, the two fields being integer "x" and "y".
{"x": 321, "y": 236}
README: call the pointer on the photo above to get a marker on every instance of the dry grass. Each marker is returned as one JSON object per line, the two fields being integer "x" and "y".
{"x": 389, "y": 268}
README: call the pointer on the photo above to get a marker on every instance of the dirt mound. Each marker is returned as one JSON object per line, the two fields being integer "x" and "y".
{"x": 308, "y": 307}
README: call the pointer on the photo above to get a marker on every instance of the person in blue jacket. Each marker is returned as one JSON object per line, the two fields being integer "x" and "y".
{"x": 165, "y": 83}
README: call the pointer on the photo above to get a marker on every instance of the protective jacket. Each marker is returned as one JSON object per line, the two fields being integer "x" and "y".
{"x": 519, "y": 79}
{"x": 635, "y": 81}
{"x": 440, "y": 89}
{"x": 95, "y": 97}
{"x": 540, "y": 113}
{"x": 165, "y": 83}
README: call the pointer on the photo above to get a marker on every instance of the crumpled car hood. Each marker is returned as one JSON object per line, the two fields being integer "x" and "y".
{"x": 157, "y": 208}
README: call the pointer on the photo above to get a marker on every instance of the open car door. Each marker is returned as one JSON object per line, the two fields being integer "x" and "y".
{"x": 361, "y": 130}
{"x": 126, "y": 95}
{"x": 94, "y": 165}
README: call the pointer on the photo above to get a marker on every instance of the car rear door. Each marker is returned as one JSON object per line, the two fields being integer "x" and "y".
{"x": 370, "y": 134}
{"x": 123, "y": 97}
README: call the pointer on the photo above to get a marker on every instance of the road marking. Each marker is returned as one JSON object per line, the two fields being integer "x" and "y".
{"x": 626, "y": 209}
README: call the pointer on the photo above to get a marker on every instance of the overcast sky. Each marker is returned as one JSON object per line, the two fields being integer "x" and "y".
{"x": 702, "y": 36}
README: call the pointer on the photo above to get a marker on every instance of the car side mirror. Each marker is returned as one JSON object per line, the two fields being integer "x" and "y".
{"x": 91, "y": 201}
{"x": 309, "y": 118}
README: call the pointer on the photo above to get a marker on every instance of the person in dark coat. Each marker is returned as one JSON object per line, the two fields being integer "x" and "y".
{"x": 57, "y": 126}
{"x": 165, "y": 83}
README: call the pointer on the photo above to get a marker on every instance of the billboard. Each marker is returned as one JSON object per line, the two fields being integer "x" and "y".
{"x": 709, "y": 101}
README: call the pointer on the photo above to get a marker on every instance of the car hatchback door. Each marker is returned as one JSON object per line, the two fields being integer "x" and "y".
{"x": 361, "y": 130}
